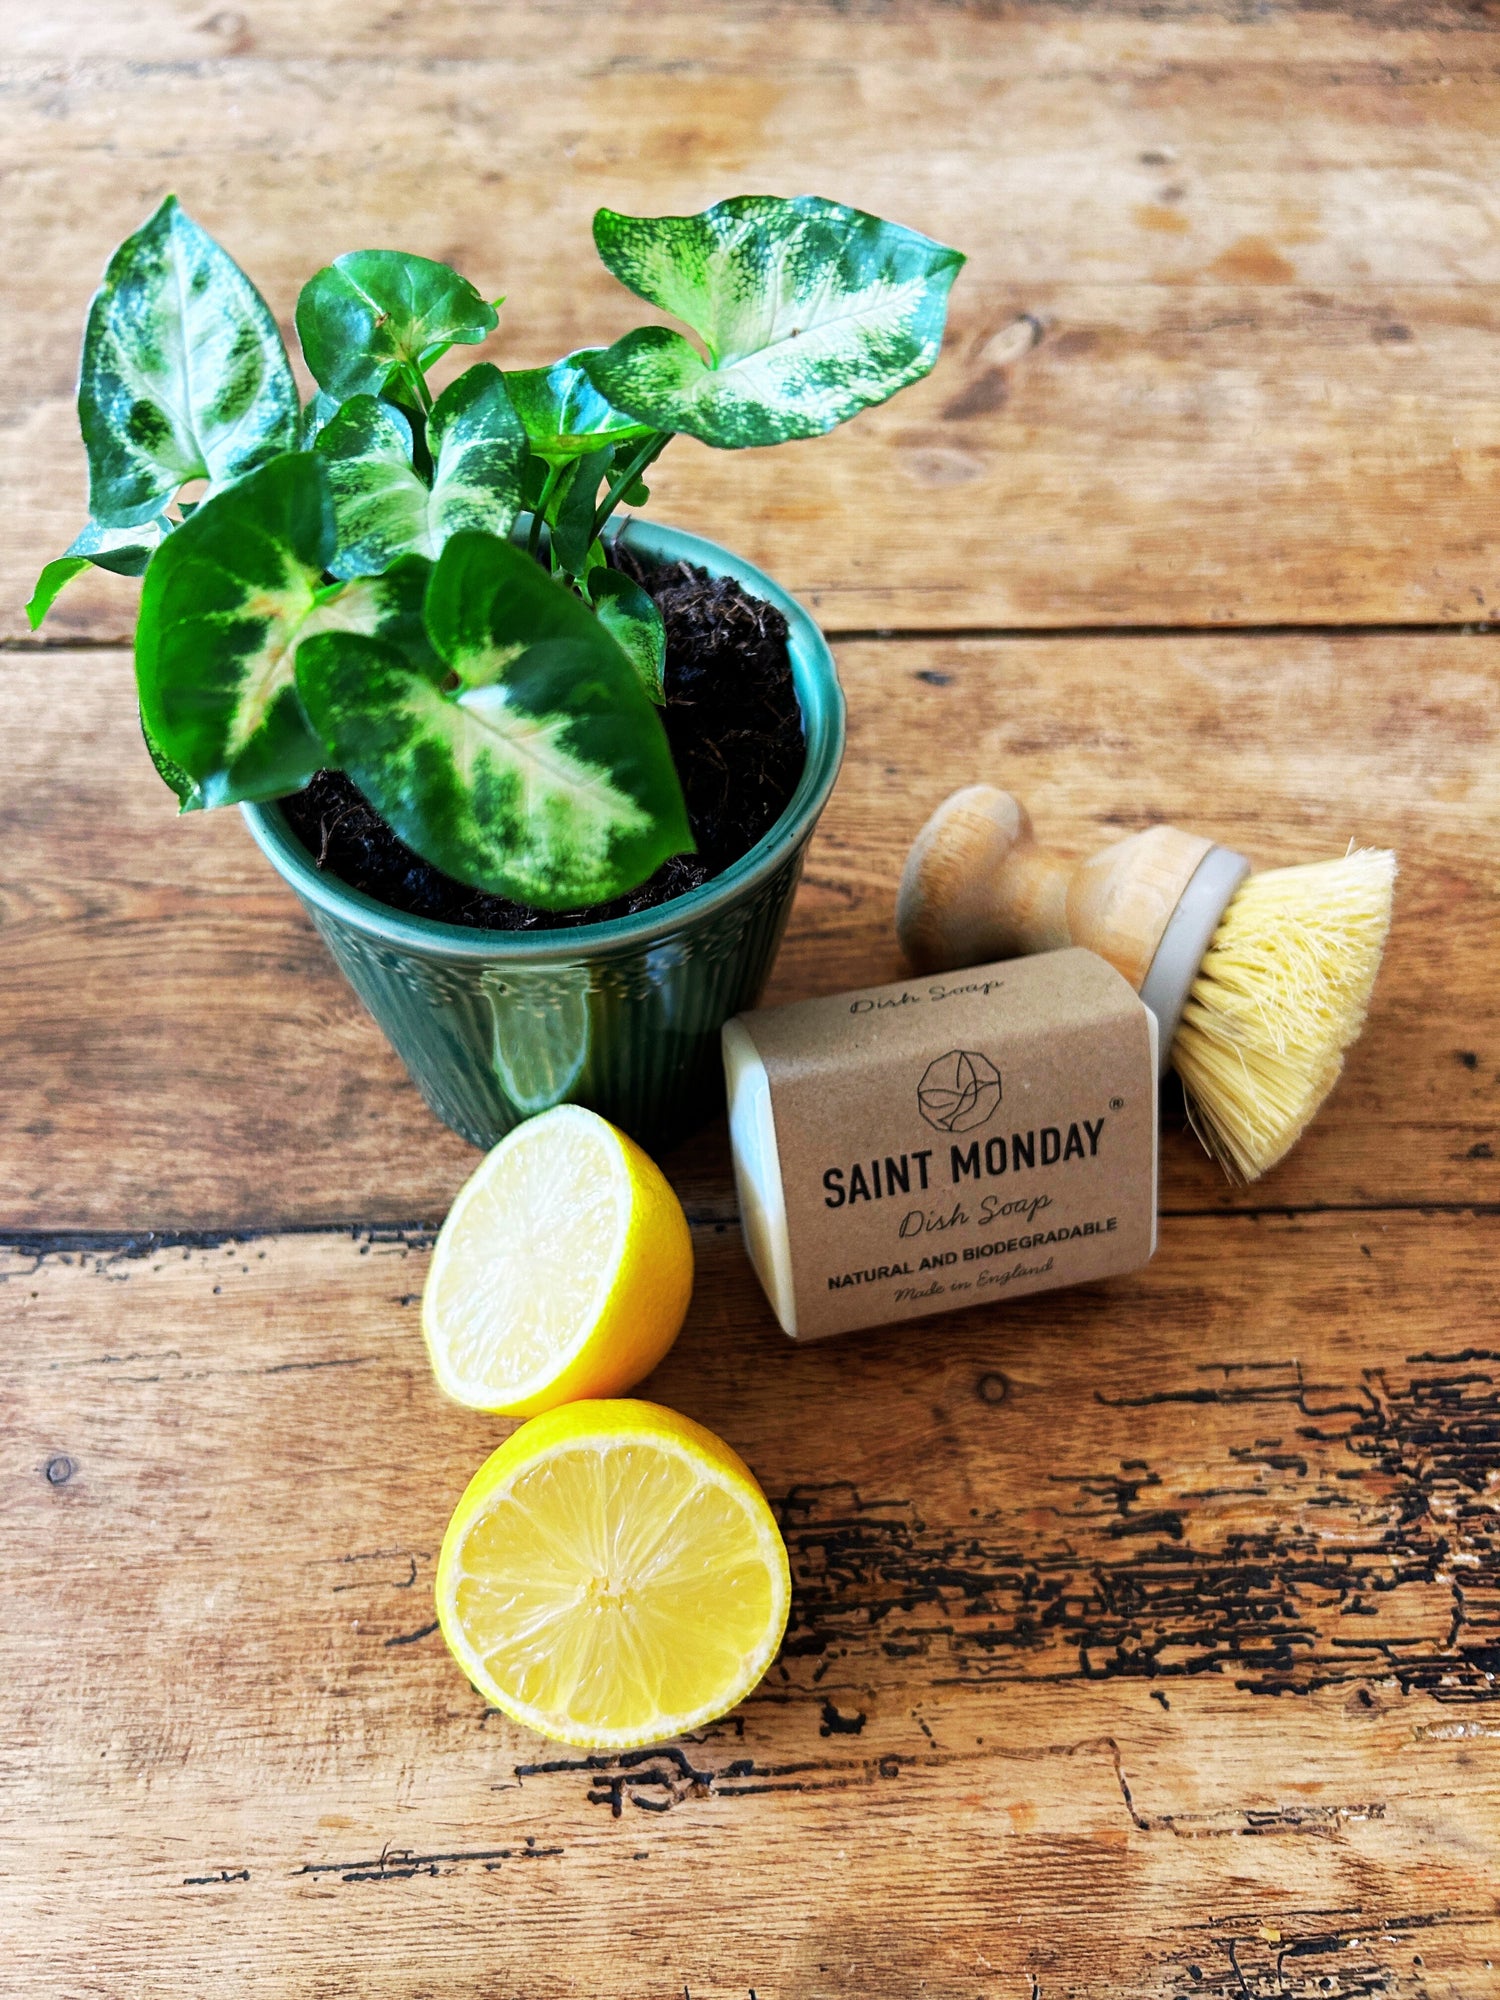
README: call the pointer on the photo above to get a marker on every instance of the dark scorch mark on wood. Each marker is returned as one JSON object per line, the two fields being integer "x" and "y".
{"x": 401, "y": 1864}
{"x": 1337, "y": 1954}
{"x": 657, "y": 1780}
{"x": 411, "y": 1638}
{"x": 663, "y": 1779}
{"x": 1154, "y": 1572}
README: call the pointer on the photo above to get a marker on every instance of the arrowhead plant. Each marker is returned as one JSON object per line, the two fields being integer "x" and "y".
{"x": 416, "y": 589}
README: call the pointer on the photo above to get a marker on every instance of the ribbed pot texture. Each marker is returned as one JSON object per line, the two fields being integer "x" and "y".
{"x": 495, "y": 1026}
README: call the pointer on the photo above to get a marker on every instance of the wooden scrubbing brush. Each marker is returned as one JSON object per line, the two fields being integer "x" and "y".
{"x": 1258, "y": 982}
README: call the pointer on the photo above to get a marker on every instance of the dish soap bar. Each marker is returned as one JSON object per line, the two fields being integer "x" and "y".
{"x": 944, "y": 1142}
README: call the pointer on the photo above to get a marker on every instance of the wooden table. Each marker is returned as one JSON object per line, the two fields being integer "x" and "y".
{"x": 1146, "y": 1637}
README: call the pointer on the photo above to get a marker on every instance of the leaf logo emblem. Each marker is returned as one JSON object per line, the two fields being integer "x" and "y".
{"x": 959, "y": 1091}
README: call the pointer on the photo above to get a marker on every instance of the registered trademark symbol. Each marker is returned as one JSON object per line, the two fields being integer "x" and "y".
{"x": 1117, "y": 1104}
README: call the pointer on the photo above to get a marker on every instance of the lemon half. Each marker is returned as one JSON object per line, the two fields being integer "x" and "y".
{"x": 613, "y": 1576}
{"x": 564, "y": 1269}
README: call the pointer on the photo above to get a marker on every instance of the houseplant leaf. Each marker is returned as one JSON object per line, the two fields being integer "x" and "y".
{"x": 379, "y": 499}
{"x": 478, "y": 450}
{"x": 385, "y": 509}
{"x": 810, "y": 312}
{"x": 183, "y": 373}
{"x": 545, "y": 776}
{"x": 228, "y": 598}
{"x": 126, "y": 551}
{"x": 318, "y": 412}
{"x": 571, "y": 518}
{"x": 564, "y": 414}
{"x": 631, "y": 618}
{"x": 171, "y": 773}
{"x": 54, "y": 579}
{"x": 488, "y": 601}
{"x": 372, "y": 314}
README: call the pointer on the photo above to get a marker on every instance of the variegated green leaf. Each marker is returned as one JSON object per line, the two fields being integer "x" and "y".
{"x": 810, "y": 312}
{"x": 478, "y": 450}
{"x": 564, "y": 414}
{"x": 183, "y": 373}
{"x": 371, "y": 314}
{"x": 126, "y": 551}
{"x": 631, "y": 618}
{"x": 379, "y": 499}
{"x": 488, "y": 602}
{"x": 545, "y": 776}
{"x": 228, "y": 599}
{"x": 318, "y": 412}
{"x": 171, "y": 773}
{"x": 223, "y": 603}
{"x": 384, "y": 507}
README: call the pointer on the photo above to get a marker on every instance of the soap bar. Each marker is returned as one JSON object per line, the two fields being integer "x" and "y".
{"x": 944, "y": 1142}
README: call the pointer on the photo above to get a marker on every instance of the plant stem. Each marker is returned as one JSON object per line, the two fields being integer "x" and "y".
{"x": 549, "y": 487}
{"x": 418, "y": 382}
{"x": 421, "y": 457}
{"x": 651, "y": 450}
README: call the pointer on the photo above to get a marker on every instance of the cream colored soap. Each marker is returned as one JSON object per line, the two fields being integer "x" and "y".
{"x": 944, "y": 1142}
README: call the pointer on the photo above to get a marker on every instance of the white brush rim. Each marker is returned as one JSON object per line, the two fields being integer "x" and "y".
{"x": 1185, "y": 941}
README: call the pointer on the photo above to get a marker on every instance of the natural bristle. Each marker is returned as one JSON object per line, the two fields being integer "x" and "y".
{"x": 1281, "y": 993}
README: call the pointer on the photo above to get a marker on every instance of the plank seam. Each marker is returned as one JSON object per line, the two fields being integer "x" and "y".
{"x": 134, "y": 1243}
{"x": 925, "y": 634}
{"x": 917, "y": 634}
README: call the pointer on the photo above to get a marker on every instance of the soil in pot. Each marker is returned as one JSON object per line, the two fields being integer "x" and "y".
{"x": 732, "y": 720}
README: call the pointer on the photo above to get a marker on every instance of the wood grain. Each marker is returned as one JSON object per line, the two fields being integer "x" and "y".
{"x": 1146, "y": 1637}
{"x": 1223, "y": 352}
{"x": 730, "y": 32}
{"x": 1198, "y": 1701}
{"x": 182, "y": 1054}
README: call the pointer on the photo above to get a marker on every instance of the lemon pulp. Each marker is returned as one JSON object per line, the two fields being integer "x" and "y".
{"x": 613, "y": 1576}
{"x": 564, "y": 1269}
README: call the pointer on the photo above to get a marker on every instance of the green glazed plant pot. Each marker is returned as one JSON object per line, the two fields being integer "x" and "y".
{"x": 624, "y": 1016}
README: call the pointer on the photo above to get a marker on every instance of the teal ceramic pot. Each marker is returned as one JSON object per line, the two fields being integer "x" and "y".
{"x": 624, "y": 1016}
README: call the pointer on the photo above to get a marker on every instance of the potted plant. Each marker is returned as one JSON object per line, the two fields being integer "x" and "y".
{"x": 415, "y": 615}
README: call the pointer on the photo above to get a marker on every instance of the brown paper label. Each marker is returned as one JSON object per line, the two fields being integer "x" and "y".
{"x": 953, "y": 1140}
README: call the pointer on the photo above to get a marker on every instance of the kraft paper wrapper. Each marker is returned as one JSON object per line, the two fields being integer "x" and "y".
{"x": 1024, "y": 1091}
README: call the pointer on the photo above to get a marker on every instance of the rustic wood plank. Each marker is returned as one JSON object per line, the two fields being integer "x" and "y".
{"x": 182, "y": 1054}
{"x": 1200, "y": 1700}
{"x": 1259, "y": 257}
{"x": 1200, "y": 1697}
{"x": 559, "y": 31}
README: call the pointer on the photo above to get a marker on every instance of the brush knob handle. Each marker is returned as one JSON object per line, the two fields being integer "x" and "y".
{"x": 976, "y": 887}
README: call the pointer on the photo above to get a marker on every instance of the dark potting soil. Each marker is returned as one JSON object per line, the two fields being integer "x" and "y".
{"x": 734, "y": 727}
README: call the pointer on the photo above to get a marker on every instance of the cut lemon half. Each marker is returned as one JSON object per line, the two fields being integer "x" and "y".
{"x": 613, "y": 1576}
{"x": 564, "y": 1269}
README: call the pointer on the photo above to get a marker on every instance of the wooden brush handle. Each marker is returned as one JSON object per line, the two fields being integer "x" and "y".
{"x": 977, "y": 887}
